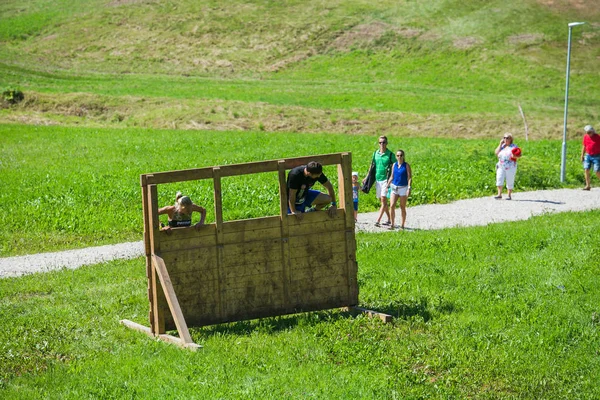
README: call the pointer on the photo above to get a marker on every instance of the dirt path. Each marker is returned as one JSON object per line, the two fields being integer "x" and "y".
{"x": 480, "y": 211}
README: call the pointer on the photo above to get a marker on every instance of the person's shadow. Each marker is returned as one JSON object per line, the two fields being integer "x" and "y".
{"x": 542, "y": 201}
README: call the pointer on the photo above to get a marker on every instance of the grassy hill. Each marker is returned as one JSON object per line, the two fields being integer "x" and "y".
{"x": 409, "y": 68}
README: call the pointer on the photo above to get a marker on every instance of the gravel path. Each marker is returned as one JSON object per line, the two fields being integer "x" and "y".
{"x": 480, "y": 211}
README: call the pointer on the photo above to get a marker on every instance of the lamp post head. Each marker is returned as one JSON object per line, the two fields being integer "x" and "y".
{"x": 572, "y": 24}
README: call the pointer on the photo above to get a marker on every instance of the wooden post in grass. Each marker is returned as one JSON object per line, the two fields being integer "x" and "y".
{"x": 524, "y": 122}
{"x": 238, "y": 270}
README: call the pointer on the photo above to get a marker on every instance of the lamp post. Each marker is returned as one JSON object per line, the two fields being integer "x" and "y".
{"x": 563, "y": 161}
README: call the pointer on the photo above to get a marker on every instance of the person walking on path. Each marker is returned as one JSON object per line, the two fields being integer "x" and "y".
{"x": 300, "y": 195}
{"x": 590, "y": 154}
{"x": 400, "y": 182}
{"x": 382, "y": 161}
{"x": 506, "y": 168}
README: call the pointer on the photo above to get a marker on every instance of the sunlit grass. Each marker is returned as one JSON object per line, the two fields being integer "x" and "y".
{"x": 507, "y": 310}
{"x": 77, "y": 187}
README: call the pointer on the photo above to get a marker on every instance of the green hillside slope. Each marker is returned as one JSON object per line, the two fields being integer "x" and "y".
{"x": 403, "y": 67}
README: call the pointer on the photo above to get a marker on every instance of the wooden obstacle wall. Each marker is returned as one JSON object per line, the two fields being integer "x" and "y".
{"x": 245, "y": 269}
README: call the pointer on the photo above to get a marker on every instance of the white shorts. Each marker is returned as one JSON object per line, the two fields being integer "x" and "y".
{"x": 399, "y": 190}
{"x": 506, "y": 174}
{"x": 380, "y": 188}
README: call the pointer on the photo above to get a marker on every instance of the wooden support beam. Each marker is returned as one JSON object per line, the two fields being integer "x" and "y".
{"x": 372, "y": 314}
{"x": 147, "y": 248}
{"x": 164, "y": 337}
{"x": 158, "y": 326}
{"x": 285, "y": 231}
{"x": 218, "y": 200}
{"x": 172, "y": 301}
{"x": 345, "y": 188}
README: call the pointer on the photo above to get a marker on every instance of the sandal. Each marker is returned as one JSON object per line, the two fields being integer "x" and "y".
{"x": 392, "y": 227}
{"x": 509, "y": 198}
{"x": 498, "y": 197}
{"x": 377, "y": 224}
{"x": 587, "y": 188}
{"x": 386, "y": 223}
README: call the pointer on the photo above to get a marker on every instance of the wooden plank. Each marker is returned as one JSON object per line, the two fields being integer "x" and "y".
{"x": 198, "y": 268}
{"x": 317, "y": 222}
{"x": 251, "y": 298}
{"x": 147, "y": 249}
{"x": 207, "y": 254}
{"x": 263, "y": 281}
{"x": 207, "y": 293}
{"x": 190, "y": 232}
{"x": 233, "y": 260}
{"x": 318, "y": 239}
{"x": 194, "y": 282}
{"x": 325, "y": 256}
{"x": 165, "y": 338}
{"x": 157, "y": 178}
{"x": 249, "y": 168}
{"x": 172, "y": 301}
{"x": 372, "y": 314}
{"x": 345, "y": 188}
{"x": 328, "y": 297}
{"x": 238, "y": 314}
{"x": 216, "y": 174}
{"x": 248, "y": 251}
{"x": 252, "y": 235}
{"x": 284, "y": 219}
{"x": 318, "y": 281}
{"x": 352, "y": 266}
{"x": 323, "y": 159}
{"x": 218, "y": 201}
{"x": 238, "y": 169}
{"x": 319, "y": 272}
{"x": 249, "y": 224}
{"x": 191, "y": 243}
{"x": 240, "y": 270}
{"x": 158, "y": 300}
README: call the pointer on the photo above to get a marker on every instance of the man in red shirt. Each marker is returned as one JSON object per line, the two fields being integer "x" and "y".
{"x": 590, "y": 154}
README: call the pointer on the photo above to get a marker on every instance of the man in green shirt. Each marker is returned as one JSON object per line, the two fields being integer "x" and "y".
{"x": 383, "y": 159}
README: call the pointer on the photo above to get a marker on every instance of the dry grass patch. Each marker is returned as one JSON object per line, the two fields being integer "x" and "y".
{"x": 464, "y": 43}
{"x": 223, "y": 115}
{"x": 589, "y": 6}
{"x": 527, "y": 38}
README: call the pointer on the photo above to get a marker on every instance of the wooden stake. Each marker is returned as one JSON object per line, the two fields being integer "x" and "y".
{"x": 525, "y": 122}
{"x": 372, "y": 314}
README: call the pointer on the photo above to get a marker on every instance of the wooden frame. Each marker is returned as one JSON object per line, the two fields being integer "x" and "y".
{"x": 246, "y": 269}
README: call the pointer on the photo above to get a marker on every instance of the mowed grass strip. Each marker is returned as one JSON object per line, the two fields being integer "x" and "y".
{"x": 508, "y": 310}
{"x": 76, "y": 187}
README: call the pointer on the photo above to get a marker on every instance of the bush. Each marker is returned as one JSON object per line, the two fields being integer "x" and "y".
{"x": 13, "y": 96}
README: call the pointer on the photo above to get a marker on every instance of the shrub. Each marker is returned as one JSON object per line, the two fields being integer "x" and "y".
{"x": 13, "y": 96}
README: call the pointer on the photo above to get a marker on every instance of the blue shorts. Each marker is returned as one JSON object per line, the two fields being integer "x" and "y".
{"x": 310, "y": 197}
{"x": 588, "y": 160}
{"x": 355, "y": 205}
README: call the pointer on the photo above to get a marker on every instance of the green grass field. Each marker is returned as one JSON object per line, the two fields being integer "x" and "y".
{"x": 116, "y": 88}
{"x": 454, "y": 68}
{"x": 70, "y": 187}
{"x": 504, "y": 311}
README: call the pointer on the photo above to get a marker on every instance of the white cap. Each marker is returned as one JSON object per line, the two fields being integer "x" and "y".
{"x": 589, "y": 128}
{"x": 354, "y": 173}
